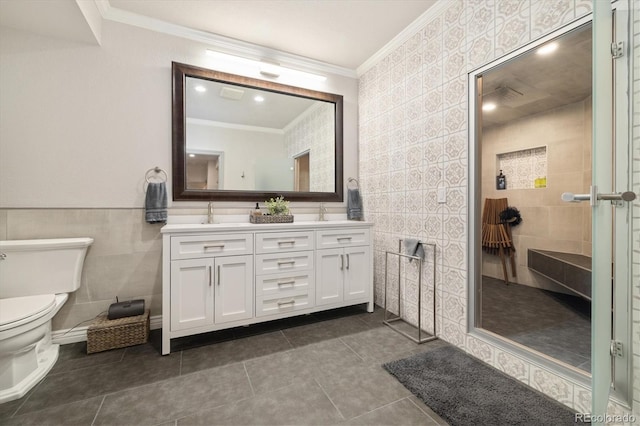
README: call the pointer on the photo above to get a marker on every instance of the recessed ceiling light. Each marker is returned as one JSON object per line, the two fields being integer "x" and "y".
{"x": 200, "y": 89}
{"x": 489, "y": 106}
{"x": 258, "y": 98}
{"x": 547, "y": 48}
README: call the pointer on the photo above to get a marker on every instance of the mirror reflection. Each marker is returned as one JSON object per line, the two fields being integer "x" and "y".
{"x": 245, "y": 139}
{"x": 535, "y": 143}
{"x": 242, "y": 138}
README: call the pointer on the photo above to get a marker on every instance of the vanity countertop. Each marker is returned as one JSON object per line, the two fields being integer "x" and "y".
{"x": 204, "y": 227}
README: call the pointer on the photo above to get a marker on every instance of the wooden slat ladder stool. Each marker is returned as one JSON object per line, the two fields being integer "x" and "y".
{"x": 496, "y": 235}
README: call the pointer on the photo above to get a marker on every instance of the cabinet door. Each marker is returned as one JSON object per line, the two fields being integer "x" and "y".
{"x": 191, "y": 293}
{"x": 233, "y": 288}
{"x": 330, "y": 266}
{"x": 357, "y": 273}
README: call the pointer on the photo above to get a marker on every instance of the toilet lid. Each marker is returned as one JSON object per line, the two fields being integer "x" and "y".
{"x": 15, "y": 309}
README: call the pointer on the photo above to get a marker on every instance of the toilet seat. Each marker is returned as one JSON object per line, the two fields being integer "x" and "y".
{"x": 16, "y": 311}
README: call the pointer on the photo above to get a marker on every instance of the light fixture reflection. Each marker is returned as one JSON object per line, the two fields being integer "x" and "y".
{"x": 489, "y": 106}
{"x": 200, "y": 89}
{"x": 258, "y": 98}
{"x": 547, "y": 48}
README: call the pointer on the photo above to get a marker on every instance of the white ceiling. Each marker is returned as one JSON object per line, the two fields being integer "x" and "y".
{"x": 342, "y": 33}
{"x": 338, "y": 32}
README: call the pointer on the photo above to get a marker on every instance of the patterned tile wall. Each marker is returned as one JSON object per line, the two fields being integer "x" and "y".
{"x": 309, "y": 133}
{"x": 413, "y": 140}
{"x": 524, "y": 167}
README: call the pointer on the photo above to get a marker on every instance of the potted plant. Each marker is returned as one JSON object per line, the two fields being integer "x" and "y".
{"x": 277, "y": 206}
{"x": 278, "y": 212}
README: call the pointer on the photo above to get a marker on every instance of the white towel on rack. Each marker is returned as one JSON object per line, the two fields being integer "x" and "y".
{"x": 155, "y": 203}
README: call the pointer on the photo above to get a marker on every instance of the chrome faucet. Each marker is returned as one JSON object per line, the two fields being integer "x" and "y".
{"x": 321, "y": 212}
{"x": 210, "y": 212}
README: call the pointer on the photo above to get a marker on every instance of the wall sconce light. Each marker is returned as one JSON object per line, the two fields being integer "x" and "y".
{"x": 266, "y": 68}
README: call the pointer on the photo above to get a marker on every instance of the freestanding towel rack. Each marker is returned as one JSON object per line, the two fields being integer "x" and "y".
{"x": 389, "y": 321}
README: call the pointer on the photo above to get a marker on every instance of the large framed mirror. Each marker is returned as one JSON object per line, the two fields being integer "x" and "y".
{"x": 238, "y": 138}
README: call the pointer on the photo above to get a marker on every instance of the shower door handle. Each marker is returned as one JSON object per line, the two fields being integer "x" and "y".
{"x": 594, "y": 196}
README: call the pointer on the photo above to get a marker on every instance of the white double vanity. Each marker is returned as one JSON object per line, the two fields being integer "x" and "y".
{"x": 218, "y": 276}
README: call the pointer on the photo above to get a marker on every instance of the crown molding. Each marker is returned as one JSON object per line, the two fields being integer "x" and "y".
{"x": 221, "y": 43}
{"x": 221, "y": 124}
{"x": 403, "y": 36}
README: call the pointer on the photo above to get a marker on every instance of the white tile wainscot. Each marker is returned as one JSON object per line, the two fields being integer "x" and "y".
{"x": 217, "y": 276}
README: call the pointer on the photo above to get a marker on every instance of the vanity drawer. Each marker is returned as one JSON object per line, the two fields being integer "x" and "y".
{"x": 195, "y": 246}
{"x": 332, "y": 238}
{"x": 275, "y": 242}
{"x": 284, "y": 283}
{"x": 273, "y": 305}
{"x": 284, "y": 262}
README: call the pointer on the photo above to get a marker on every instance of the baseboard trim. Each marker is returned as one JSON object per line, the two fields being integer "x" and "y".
{"x": 79, "y": 334}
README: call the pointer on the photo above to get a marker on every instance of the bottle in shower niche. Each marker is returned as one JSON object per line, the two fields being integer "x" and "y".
{"x": 501, "y": 181}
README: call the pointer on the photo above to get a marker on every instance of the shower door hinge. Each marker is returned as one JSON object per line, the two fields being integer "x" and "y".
{"x": 616, "y": 348}
{"x": 617, "y": 49}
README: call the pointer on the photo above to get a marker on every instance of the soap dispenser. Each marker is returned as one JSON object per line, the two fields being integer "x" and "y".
{"x": 256, "y": 211}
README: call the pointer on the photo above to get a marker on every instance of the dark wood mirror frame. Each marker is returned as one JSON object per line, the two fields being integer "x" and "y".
{"x": 180, "y": 191}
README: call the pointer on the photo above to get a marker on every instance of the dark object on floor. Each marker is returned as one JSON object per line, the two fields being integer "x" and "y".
{"x": 130, "y": 308}
{"x": 465, "y": 391}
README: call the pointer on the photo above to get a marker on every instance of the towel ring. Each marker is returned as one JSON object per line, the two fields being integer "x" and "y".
{"x": 353, "y": 180}
{"x": 156, "y": 170}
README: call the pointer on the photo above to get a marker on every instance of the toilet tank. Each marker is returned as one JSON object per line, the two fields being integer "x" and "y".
{"x": 31, "y": 267}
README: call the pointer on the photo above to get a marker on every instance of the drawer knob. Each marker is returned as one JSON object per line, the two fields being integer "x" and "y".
{"x": 286, "y": 242}
{"x": 292, "y": 282}
{"x": 286, "y": 262}
{"x": 286, "y": 302}
{"x": 344, "y": 238}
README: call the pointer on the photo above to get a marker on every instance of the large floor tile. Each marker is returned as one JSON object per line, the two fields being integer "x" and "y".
{"x": 74, "y": 356}
{"x": 88, "y": 382}
{"x": 176, "y": 397}
{"x": 299, "y": 404}
{"x": 360, "y": 389}
{"x": 399, "y": 413}
{"x": 278, "y": 370}
{"x": 325, "y": 330}
{"x": 380, "y": 344}
{"x": 233, "y": 351}
{"x": 76, "y": 413}
{"x": 428, "y": 411}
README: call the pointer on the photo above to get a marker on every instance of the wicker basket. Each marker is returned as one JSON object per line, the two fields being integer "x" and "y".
{"x": 280, "y": 218}
{"x": 104, "y": 334}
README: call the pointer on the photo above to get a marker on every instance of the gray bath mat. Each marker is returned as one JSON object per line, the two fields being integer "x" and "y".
{"x": 465, "y": 391}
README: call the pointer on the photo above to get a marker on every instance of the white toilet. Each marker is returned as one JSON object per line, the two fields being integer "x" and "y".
{"x": 35, "y": 279}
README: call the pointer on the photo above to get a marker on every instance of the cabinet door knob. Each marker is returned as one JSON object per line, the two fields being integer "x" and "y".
{"x": 341, "y": 261}
{"x": 210, "y": 275}
{"x": 347, "y": 260}
{"x": 218, "y": 275}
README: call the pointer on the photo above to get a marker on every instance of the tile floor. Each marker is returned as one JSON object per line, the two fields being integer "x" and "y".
{"x": 555, "y": 324}
{"x": 321, "y": 369}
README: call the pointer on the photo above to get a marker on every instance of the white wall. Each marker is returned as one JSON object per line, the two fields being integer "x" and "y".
{"x": 79, "y": 127}
{"x": 97, "y": 117}
{"x": 245, "y": 153}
